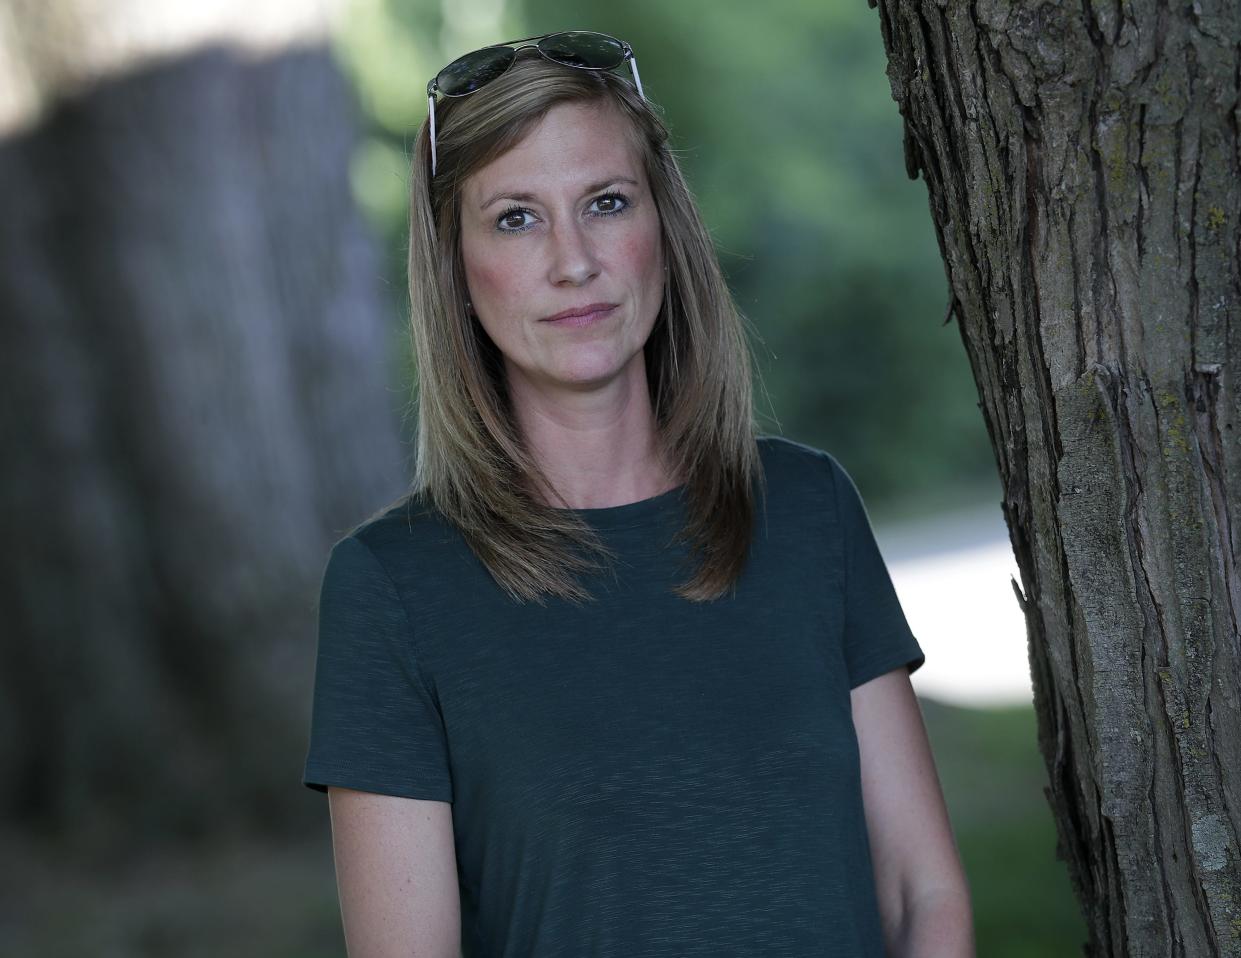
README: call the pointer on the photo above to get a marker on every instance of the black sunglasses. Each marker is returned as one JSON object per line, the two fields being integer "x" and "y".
{"x": 583, "y": 49}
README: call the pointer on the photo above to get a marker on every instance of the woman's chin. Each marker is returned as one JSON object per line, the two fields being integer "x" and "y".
{"x": 583, "y": 380}
{"x": 589, "y": 371}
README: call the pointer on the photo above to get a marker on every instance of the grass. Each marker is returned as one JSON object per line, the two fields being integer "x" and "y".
{"x": 993, "y": 779}
{"x": 242, "y": 899}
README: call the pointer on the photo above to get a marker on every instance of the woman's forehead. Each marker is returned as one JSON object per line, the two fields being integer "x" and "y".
{"x": 574, "y": 146}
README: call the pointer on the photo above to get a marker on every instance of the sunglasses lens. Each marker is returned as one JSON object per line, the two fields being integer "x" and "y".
{"x": 582, "y": 48}
{"x": 466, "y": 74}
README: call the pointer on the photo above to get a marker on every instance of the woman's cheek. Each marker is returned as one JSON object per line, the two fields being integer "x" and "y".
{"x": 492, "y": 276}
{"x": 642, "y": 245}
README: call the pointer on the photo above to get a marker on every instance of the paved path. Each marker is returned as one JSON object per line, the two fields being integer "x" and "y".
{"x": 953, "y": 575}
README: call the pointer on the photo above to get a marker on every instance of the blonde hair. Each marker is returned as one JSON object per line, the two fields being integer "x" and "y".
{"x": 472, "y": 465}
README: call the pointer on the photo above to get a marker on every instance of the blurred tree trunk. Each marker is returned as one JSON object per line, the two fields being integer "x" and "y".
{"x": 1083, "y": 167}
{"x": 196, "y": 402}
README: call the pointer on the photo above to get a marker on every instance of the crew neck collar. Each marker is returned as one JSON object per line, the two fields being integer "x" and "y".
{"x": 630, "y": 513}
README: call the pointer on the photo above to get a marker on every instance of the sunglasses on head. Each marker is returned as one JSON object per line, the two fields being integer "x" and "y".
{"x": 583, "y": 49}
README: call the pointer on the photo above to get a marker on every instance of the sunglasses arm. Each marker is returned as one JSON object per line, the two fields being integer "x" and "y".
{"x": 633, "y": 65}
{"x": 431, "y": 114}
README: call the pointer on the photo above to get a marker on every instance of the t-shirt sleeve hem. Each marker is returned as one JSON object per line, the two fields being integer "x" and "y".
{"x": 319, "y": 777}
{"x": 909, "y": 654}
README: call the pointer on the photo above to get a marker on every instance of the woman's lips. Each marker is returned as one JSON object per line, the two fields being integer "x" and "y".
{"x": 582, "y": 320}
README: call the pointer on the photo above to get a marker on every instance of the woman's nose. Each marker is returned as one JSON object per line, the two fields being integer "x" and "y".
{"x": 574, "y": 259}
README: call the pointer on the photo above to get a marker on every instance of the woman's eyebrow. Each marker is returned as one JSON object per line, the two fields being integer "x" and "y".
{"x": 525, "y": 197}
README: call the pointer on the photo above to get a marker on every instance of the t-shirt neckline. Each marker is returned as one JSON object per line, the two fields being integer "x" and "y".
{"x": 630, "y": 513}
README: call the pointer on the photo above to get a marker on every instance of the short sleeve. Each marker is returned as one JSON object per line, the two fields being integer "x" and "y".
{"x": 877, "y": 637}
{"x": 374, "y": 724}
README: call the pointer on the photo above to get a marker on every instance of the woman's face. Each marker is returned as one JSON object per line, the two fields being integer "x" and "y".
{"x": 563, "y": 220}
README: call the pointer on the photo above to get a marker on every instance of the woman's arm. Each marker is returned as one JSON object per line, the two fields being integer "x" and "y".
{"x": 396, "y": 871}
{"x": 923, "y": 894}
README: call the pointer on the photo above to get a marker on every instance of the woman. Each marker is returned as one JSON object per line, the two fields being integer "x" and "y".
{"x": 620, "y": 676}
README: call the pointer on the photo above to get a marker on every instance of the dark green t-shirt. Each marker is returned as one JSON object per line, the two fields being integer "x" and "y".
{"x": 643, "y": 776}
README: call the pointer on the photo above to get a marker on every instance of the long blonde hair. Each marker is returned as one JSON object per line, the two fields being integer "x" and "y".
{"x": 472, "y": 465}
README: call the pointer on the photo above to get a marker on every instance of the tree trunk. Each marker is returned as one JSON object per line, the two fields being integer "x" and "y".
{"x": 1082, "y": 162}
{"x": 196, "y": 371}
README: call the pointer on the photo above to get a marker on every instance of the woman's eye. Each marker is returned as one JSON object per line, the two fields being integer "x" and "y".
{"x": 505, "y": 222}
{"x": 610, "y": 200}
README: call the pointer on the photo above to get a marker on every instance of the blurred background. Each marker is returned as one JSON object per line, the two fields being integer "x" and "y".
{"x": 206, "y": 380}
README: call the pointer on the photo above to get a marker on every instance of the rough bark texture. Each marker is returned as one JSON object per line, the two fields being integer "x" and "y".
{"x": 1083, "y": 163}
{"x": 195, "y": 369}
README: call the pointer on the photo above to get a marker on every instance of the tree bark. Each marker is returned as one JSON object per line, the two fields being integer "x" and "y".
{"x": 196, "y": 370}
{"x": 1082, "y": 162}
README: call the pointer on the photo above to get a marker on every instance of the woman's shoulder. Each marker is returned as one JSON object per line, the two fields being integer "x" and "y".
{"x": 788, "y": 460}
{"x": 407, "y": 526}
